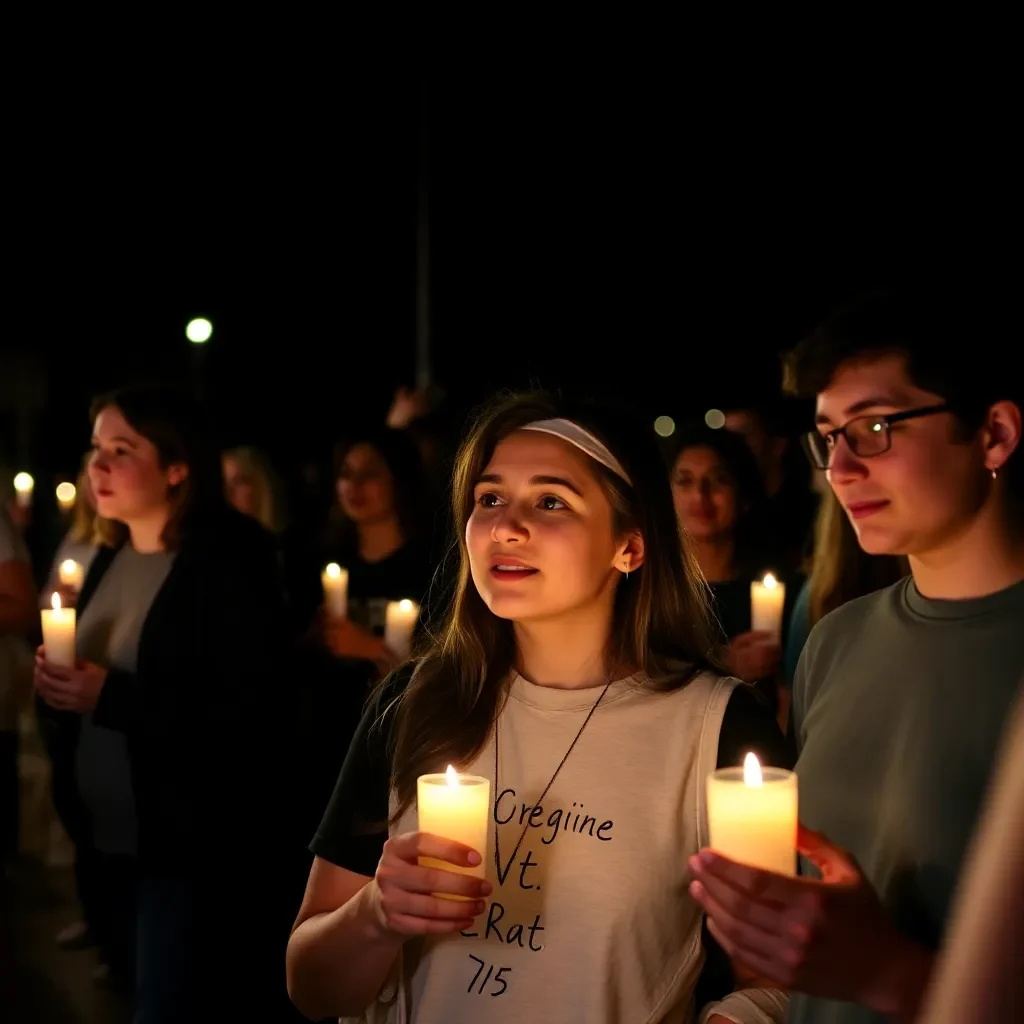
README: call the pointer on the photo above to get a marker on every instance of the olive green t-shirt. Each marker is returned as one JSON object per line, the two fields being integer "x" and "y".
{"x": 899, "y": 703}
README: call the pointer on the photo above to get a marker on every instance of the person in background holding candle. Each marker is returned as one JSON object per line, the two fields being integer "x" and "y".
{"x": 573, "y": 672}
{"x": 175, "y": 711}
{"x": 379, "y": 536}
{"x": 900, "y": 697}
{"x": 718, "y": 497}
{"x": 17, "y": 616}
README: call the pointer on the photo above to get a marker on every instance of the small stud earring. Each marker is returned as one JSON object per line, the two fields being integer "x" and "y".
{"x": 995, "y": 473}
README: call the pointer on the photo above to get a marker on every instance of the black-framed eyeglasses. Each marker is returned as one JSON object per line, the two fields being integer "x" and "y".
{"x": 866, "y": 435}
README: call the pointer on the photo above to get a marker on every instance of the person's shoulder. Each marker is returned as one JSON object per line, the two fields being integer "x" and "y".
{"x": 850, "y": 618}
{"x": 226, "y": 530}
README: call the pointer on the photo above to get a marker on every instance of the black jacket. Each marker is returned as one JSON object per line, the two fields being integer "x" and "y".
{"x": 208, "y": 713}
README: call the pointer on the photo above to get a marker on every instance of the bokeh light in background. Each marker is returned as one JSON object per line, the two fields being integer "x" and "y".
{"x": 66, "y": 494}
{"x": 199, "y": 331}
{"x": 715, "y": 419}
{"x": 664, "y": 426}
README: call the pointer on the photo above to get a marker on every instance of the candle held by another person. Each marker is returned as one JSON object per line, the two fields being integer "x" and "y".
{"x": 752, "y": 815}
{"x": 59, "y": 634}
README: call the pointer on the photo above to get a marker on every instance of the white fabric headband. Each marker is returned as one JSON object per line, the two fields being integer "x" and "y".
{"x": 582, "y": 439}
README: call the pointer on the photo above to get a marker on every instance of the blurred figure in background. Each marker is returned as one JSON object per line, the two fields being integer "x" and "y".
{"x": 978, "y": 976}
{"x": 840, "y": 570}
{"x": 17, "y": 616}
{"x": 254, "y": 487}
{"x": 790, "y": 503}
{"x": 718, "y": 498}
{"x": 79, "y": 544}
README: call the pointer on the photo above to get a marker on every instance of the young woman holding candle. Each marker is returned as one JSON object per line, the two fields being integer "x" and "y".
{"x": 719, "y": 497}
{"x": 574, "y": 673}
{"x": 379, "y": 536}
{"x": 173, "y": 714}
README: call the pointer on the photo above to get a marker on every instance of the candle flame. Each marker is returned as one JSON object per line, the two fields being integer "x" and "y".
{"x": 406, "y": 605}
{"x": 69, "y": 567}
{"x": 452, "y": 776}
{"x": 752, "y": 771}
{"x": 66, "y": 492}
{"x": 23, "y": 482}
{"x": 770, "y": 581}
{"x": 55, "y": 602}
{"x": 334, "y": 571}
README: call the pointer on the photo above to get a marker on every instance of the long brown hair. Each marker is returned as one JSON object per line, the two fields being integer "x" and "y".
{"x": 841, "y": 569}
{"x": 662, "y": 624}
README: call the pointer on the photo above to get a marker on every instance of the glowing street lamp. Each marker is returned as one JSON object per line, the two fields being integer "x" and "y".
{"x": 199, "y": 330}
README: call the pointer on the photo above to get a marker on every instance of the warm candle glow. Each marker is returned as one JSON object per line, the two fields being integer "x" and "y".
{"x": 71, "y": 574}
{"x": 399, "y": 625}
{"x": 66, "y": 494}
{"x": 59, "y": 633}
{"x": 752, "y": 771}
{"x": 334, "y": 580}
{"x": 406, "y": 605}
{"x": 767, "y": 603}
{"x": 23, "y": 486}
{"x": 455, "y": 807}
{"x": 752, "y": 815}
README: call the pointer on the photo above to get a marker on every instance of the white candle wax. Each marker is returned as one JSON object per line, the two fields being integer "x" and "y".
{"x": 24, "y": 485}
{"x": 71, "y": 574}
{"x": 59, "y": 634}
{"x": 766, "y": 601}
{"x": 456, "y": 807}
{"x": 400, "y": 621}
{"x": 335, "y": 583}
{"x": 752, "y": 815}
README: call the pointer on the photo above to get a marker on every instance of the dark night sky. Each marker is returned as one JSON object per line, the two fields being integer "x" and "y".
{"x": 633, "y": 248}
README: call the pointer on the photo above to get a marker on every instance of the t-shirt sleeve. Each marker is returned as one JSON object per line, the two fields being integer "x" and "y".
{"x": 749, "y": 724}
{"x": 354, "y": 827}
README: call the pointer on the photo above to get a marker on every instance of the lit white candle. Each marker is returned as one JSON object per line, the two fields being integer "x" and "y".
{"x": 400, "y": 621}
{"x": 24, "y": 485}
{"x": 335, "y": 583}
{"x": 766, "y": 601}
{"x": 59, "y": 634}
{"x": 71, "y": 574}
{"x": 66, "y": 493}
{"x": 752, "y": 815}
{"x": 456, "y": 807}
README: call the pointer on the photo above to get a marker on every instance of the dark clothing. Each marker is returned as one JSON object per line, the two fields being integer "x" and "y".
{"x": 208, "y": 717}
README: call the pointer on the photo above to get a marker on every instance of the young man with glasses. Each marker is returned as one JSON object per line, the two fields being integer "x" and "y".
{"x": 900, "y": 697}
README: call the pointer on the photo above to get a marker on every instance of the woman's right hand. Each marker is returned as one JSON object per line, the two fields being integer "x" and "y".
{"x": 406, "y": 904}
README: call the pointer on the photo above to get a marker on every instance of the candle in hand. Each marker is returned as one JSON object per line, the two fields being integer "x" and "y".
{"x": 335, "y": 583}
{"x": 24, "y": 485}
{"x": 752, "y": 815}
{"x": 400, "y": 621}
{"x": 456, "y": 807}
{"x": 766, "y": 601}
{"x": 71, "y": 574}
{"x": 59, "y": 634}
